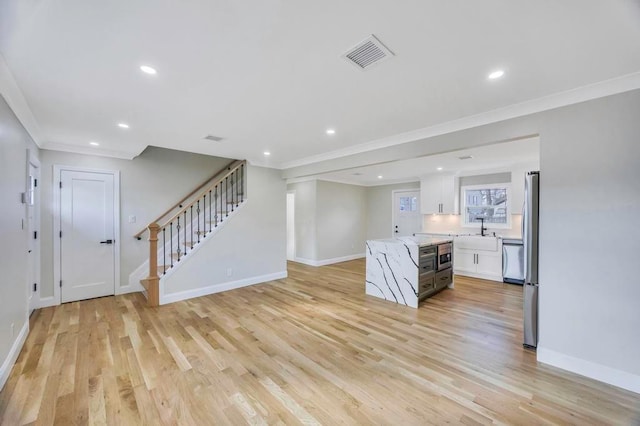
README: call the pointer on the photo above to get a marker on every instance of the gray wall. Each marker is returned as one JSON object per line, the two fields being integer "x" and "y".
{"x": 341, "y": 220}
{"x": 149, "y": 184}
{"x": 330, "y": 219}
{"x": 589, "y": 233}
{"x": 379, "y": 208}
{"x": 252, "y": 243}
{"x": 14, "y": 142}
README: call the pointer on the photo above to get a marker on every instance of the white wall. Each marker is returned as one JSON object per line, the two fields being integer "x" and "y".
{"x": 149, "y": 184}
{"x": 379, "y": 210}
{"x": 590, "y": 239}
{"x": 14, "y": 142}
{"x": 252, "y": 244}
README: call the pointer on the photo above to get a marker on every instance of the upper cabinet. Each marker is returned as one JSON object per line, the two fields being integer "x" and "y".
{"x": 439, "y": 194}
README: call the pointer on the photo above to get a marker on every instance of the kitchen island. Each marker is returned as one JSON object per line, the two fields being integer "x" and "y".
{"x": 406, "y": 270}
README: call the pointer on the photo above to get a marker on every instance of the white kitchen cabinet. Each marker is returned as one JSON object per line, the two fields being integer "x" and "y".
{"x": 474, "y": 258}
{"x": 439, "y": 194}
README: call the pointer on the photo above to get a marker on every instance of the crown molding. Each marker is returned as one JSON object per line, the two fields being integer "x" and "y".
{"x": 15, "y": 99}
{"x": 601, "y": 89}
{"x": 76, "y": 149}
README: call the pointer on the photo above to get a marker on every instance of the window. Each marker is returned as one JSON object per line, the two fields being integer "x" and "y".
{"x": 489, "y": 202}
{"x": 408, "y": 204}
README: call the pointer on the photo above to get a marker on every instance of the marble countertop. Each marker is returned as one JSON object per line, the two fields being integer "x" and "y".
{"x": 418, "y": 240}
{"x": 433, "y": 234}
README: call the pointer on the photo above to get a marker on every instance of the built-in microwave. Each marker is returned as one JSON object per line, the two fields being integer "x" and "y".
{"x": 444, "y": 256}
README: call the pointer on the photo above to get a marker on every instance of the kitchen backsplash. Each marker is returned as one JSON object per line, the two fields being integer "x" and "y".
{"x": 451, "y": 224}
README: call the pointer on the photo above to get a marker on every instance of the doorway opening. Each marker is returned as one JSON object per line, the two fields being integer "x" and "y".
{"x": 291, "y": 226}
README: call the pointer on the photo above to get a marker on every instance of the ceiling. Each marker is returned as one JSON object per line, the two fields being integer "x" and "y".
{"x": 485, "y": 159}
{"x": 268, "y": 75}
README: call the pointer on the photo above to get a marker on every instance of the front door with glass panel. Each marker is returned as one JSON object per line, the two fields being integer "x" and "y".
{"x": 407, "y": 219}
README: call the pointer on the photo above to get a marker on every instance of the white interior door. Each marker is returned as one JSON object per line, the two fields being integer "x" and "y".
{"x": 88, "y": 232}
{"x": 291, "y": 226}
{"x": 33, "y": 230}
{"x": 407, "y": 218}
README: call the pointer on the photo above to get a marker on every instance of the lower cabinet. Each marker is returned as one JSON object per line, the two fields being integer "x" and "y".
{"x": 478, "y": 263}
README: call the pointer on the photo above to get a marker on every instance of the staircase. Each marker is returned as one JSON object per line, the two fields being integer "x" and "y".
{"x": 190, "y": 223}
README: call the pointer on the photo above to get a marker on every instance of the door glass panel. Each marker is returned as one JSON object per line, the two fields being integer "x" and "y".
{"x": 408, "y": 204}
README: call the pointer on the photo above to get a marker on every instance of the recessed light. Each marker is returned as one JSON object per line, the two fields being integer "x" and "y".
{"x": 266, "y": 153}
{"x": 123, "y": 125}
{"x": 148, "y": 70}
{"x": 94, "y": 143}
{"x": 379, "y": 176}
{"x": 331, "y": 131}
{"x": 439, "y": 168}
{"x": 496, "y": 74}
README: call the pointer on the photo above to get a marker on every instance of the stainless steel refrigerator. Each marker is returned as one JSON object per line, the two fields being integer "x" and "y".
{"x": 530, "y": 239}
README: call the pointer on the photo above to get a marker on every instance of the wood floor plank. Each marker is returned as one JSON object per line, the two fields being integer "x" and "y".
{"x": 308, "y": 349}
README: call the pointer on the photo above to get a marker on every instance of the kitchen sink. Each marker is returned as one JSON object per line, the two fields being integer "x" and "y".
{"x": 477, "y": 242}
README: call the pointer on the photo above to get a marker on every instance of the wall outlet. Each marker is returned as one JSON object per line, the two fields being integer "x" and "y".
{"x": 229, "y": 272}
{"x": 132, "y": 219}
{"x": 13, "y": 326}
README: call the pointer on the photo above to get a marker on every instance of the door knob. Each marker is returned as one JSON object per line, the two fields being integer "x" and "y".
{"x": 106, "y": 242}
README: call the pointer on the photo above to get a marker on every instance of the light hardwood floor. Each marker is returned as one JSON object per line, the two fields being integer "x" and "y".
{"x": 308, "y": 349}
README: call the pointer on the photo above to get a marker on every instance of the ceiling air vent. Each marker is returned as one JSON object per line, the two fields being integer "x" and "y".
{"x": 367, "y": 53}
{"x": 213, "y": 138}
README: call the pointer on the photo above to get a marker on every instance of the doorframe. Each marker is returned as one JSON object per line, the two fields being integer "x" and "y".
{"x": 57, "y": 170}
{"x": 292, "y": 192}
{"x": 32, "y": 160}
{"x": 393, "y": 204}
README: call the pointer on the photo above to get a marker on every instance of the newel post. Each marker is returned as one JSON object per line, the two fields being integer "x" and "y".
{"x": 153, "y": 281}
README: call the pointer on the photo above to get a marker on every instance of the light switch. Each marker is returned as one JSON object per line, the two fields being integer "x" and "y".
{"x": 132, "y": 219}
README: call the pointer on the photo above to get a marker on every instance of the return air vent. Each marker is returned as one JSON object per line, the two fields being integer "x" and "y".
{"x": 213, "y": 138}
{"x": 367, "y": 53}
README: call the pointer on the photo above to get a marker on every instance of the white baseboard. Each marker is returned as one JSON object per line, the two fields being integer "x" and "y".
{"x": 12, "y": 356}
{"x": 131, "y": 288}
{"x": 325, "y": 262}
{"x": 592, "y": 370}
{"x": 488, "y": 277}
{"x": 218, "y": 288}
{"x": 46, "y": 302}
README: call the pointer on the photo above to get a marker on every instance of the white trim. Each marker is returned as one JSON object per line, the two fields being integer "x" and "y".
{"x": 600, "y": 89}
{"x": 217, "y": 288}
{"x": 331, "y": 261}
{"x": 592, "y": 370}
{"x": 488, "y": 277}
{"x": 57, "y": 170}
{"x": 476, "y": 225}
{"x": 46, "y": 302}
{"x": 32, "y": 160}
{"x": 100, "y": 152}
{"x": 12, "y": 356}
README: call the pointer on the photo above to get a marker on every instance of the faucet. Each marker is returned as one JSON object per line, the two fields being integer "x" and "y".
{"x": 482, "y": 227}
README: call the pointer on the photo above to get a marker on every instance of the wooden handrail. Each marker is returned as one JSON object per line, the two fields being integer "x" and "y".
{"x": 212, "y": 181}
{"x": 236, "y": 165}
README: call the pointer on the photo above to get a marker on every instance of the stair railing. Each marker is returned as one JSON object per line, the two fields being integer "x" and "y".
{"x": 180, "y": 233}
{"x": 207, "y": 183}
